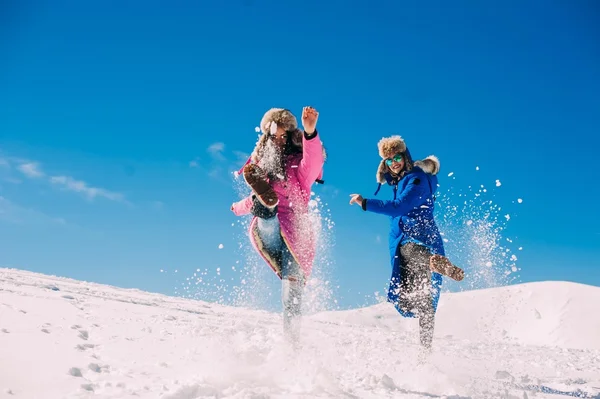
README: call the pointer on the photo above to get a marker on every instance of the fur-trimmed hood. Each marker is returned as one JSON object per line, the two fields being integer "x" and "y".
{"x": 430, "y": 165}
{"x": 390, "y": 146}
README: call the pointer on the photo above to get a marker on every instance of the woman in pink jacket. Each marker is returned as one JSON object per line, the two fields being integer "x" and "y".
{"x": 282, "y": 168}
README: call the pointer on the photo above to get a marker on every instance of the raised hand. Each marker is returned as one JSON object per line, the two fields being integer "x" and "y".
{"x": 356, "y": 199}
{"x": 309, "y": 119}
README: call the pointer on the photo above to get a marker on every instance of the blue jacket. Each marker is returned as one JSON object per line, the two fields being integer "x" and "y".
{"x": 411, "y": 220}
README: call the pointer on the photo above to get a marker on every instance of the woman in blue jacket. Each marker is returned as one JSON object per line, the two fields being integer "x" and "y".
{"x": 415, "y": 243}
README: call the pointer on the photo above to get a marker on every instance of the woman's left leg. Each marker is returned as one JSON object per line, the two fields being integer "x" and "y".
{"x": 291, "y": 294}
{"x": 417, "y": 288}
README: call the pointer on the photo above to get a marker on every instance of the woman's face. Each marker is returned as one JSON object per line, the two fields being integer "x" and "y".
{"x": 395, "y": 163}
{"x": 279, "y": 137}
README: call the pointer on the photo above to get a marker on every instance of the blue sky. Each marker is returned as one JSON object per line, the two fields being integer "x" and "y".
{"x": 120, "y": 126}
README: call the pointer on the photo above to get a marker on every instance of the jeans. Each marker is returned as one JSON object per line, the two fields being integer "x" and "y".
{"x": 269, "y": 232}
{"x": 292, "y": 281}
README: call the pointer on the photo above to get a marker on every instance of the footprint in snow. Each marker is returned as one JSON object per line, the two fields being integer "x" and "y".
{"x": 85, "y": 347}
{"x": 83, "y": 335}
{"x": 4, "y": 330}
{"x": 388, "y": 382}
{"x": 95, "y": 368}
{"x": 75, "y": 327}
{"x": 75, "y": 372}
{"x": 504, "y": 375}
{"x": 88, "y": 387}
{"x": 45, "y": 330}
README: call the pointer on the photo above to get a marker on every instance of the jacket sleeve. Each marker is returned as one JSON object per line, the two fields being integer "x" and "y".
{"x": 312, "y": 158}
{"x": 411, "y": 197}
{"x": 243, "y": 207}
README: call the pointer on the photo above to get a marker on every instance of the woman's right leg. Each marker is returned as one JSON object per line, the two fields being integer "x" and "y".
{"x": 442, "y": 265}
{"x": 291, "y": 295}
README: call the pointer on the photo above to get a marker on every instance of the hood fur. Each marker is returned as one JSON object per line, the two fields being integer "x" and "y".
{"x": 281, "y": 116}
{"x": 430, "y": 165}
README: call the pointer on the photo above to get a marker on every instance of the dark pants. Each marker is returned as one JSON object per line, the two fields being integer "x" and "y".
{"x": 414, "y": 288}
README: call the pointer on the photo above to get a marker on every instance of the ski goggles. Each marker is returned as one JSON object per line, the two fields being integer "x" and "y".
{"x": 396, "y": 158}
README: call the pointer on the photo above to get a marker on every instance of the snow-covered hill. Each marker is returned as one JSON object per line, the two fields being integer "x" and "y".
{"x": 62, "y": 338}
{"x": 547, "y": 313}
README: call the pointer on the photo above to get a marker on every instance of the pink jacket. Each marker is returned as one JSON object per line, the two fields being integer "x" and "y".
{"x": 294, "y": 194}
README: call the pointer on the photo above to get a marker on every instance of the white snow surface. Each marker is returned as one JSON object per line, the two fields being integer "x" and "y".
{"x": 63, "y": 338}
